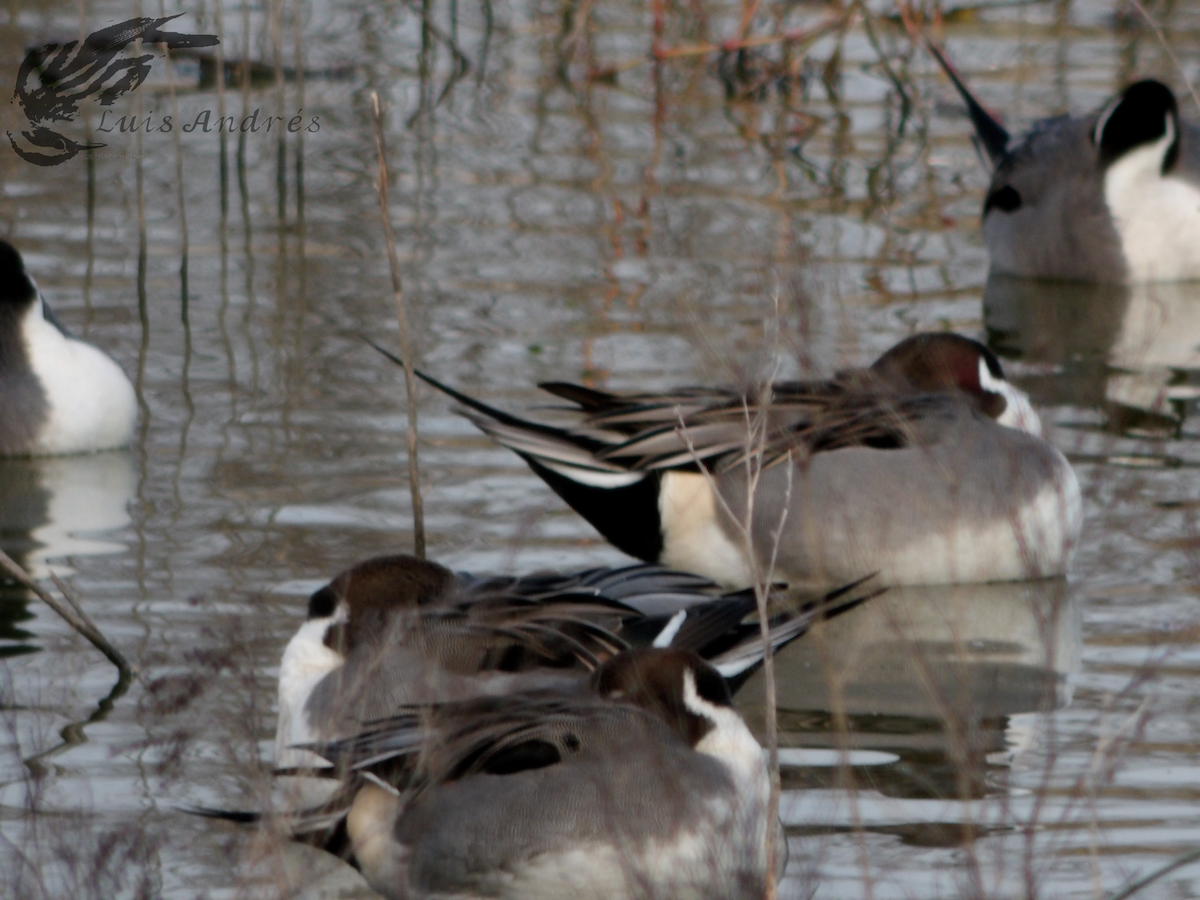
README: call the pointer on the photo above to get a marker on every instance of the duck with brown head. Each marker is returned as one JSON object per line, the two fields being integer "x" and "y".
{"x": 928, "y": 467}
{"x": 643, "y": 782}
{"x": 397, "y": 630}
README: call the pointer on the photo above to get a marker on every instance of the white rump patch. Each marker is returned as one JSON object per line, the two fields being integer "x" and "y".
{"x": 306, "y": 660}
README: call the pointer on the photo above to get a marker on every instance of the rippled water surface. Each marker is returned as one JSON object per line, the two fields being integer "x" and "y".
{"x": 566, "y": 210}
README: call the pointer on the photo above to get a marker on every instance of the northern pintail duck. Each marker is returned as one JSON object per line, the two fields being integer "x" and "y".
{"x": 641, "y": 782}
{"x": 397, "y": 630}
{"x": 1111, "y": 196}
{"x": 927, "y": 467}
{"x": 57, "y": 394}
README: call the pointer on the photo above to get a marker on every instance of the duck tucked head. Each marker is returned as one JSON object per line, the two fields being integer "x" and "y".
{"x": 943, "y": 361}
{"x": 353, "y": 616}
{"x": 361, "y": 602}
{"x": 676, "y": 686}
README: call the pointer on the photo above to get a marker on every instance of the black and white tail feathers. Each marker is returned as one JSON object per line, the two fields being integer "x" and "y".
{"x": 619, "y": 502}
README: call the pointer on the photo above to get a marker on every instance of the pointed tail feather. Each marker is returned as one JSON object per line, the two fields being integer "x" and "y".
{"x": 242, "y": 816}
{"x": 573, "y": 455}
{"x": 470, "y": 402}
{"x": 619, "y": 503}
{"x": 991, "y": 135}
{"x": 587, "y": 399}
{"x": 743, "y": 658}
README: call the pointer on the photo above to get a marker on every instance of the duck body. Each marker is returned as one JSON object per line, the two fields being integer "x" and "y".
{"x": 927, "y": 467}
{"x": 58, "y": 395}
{"x": 396, "y": 630}
{"x": 1112, "y": 196}
{"x": 640, "y": 782}
{"x": 968, "y": 501}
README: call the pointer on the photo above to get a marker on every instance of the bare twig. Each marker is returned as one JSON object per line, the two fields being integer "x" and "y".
{"x": 788, "y": 37}
{"x": 462, "y": 63}
{"x": 1177, "y": 863}
{"x": 579, "y": 27}
{"x": 756, "y": 438}
{"x": 872, "y": 38}
{"x": 67, "y": 595}
{"x": 410, "y": 378}
{"x": 71, "y": 612}
{"x": 180, "y": 181}
{"x": 771, "y": 697}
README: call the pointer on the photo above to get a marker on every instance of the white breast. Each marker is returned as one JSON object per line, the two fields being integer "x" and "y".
{"x": 306, "y": 660}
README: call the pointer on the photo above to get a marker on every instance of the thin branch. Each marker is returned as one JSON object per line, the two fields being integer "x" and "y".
{"x": 462, "y": 63}
{"x": 410, "y": 378}
{"x": 756, "y": 437}
{"x": 770, "y": 691}
{"x": 67, "y": 595}
{"x": 578, "y": 28}
{"x": 788, "y": 37}
{"x": 905, "y": 100}
{"x": 1177, "y": 863}
{"x": 71, "y": 612}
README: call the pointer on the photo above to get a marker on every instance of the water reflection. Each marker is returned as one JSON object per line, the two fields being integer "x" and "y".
{"x": 943, "y": 677}
{"x": 1129, "y": 350}
{"x": 52, "y": 508}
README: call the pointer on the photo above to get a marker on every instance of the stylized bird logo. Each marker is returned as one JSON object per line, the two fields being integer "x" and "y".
{"x": 54, "y": 79}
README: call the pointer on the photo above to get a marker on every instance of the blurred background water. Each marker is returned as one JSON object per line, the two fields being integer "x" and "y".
{"x": 566, "y": 209}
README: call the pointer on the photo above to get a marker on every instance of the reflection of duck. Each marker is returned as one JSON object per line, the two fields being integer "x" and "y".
{"x": 932, "y": 672}
{"x": 1112, "y": 196}
{"x": 87, "y": 495}
{"x": 642, "y": 782}
{"x": 1121, "y": 348}
{"x": 47, "y": 508}
{"x": 926, "y": 467}
{"x": 57, "y": 394}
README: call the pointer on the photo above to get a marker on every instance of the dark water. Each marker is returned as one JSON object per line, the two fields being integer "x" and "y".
{"x": 643, "y": 232}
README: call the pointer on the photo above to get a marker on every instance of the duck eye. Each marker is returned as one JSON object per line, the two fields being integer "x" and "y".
{"x": 1005, "y": 199}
